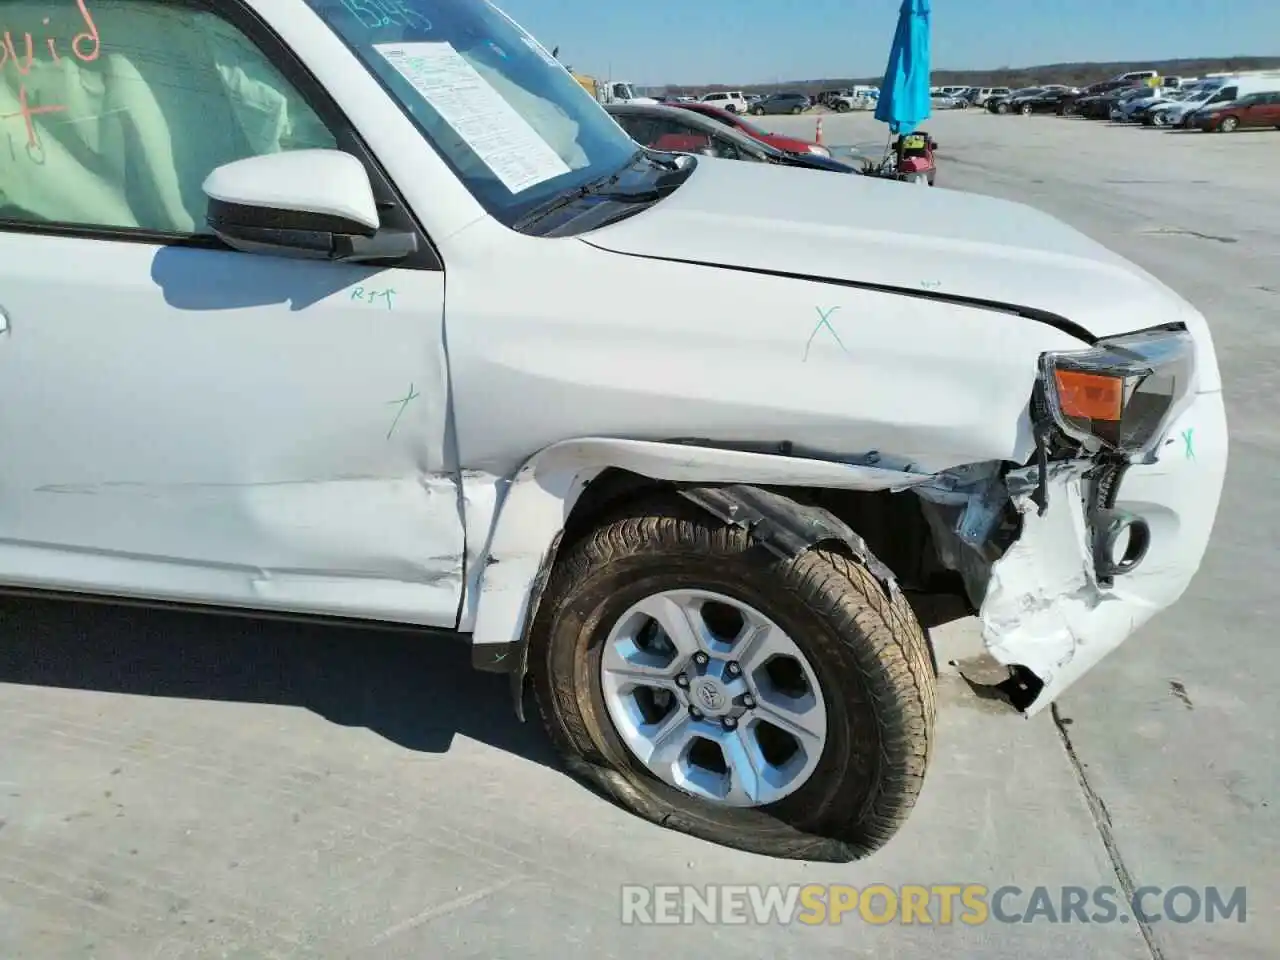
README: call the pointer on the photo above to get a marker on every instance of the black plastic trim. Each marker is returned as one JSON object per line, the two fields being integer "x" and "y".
{"x": 494, "y": 657}
{"x": 75, "y": 231}
{"x": 1031, "y": 313}
{"x": 222, "y": 213}
{"x": 783, "y": 526}
{"x": 394, "y": 211}
{"x": 213, "y": 609}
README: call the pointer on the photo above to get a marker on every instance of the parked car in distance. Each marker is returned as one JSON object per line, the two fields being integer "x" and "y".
{"x": 747, "y": 128}
{"x": 673, "y": 130}
{"x": 1145, "y": 113}
{"x": 1002, "y": 104}
{"x": 1219, "y": 90}
{"x": 1047, "y": 100}
{"x": 780, "y": 103}
{"x": 948, "y": 101}
{"x": 1255, "y": 111}
{"x": 978, "y": 96}
{"x": 848, "y": 98}
{"x": 1099, "y": 108}
{"x": 1070, "y": 105}
{"x": 1127, "y": 110}
{"x": 845, "y": 102}
{"x": 730, "y": 100}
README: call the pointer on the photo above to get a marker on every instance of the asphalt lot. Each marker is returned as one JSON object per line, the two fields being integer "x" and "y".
{"x": 177, "y": 786}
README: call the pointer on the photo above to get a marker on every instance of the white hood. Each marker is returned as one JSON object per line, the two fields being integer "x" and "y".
{"x": 865, "y": 230}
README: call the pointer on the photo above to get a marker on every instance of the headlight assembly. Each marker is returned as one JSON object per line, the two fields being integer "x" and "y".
{"x": 1123, "y": 394}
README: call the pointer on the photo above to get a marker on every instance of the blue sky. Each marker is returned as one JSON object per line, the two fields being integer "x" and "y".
{"x": 762, "y": 41}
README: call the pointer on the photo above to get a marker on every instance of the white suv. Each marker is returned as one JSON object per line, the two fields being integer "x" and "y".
{"x": 232, "y": 374}
{"x": 731, "y": 100}
{"x": 980, "y": 95}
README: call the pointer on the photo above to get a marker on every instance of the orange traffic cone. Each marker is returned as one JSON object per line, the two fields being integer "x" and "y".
{"x": 817, "y": 137}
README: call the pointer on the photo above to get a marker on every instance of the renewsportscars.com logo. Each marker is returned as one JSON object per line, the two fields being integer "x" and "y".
{"x": 938, "y": 904}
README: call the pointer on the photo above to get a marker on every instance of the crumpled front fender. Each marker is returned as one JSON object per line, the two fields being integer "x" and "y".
{"x": 526, "y": 515}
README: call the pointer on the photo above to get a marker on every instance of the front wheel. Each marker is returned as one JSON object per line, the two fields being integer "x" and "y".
{"x": 756, "y": 111}
{"x": 1228, "y": 125}
{"x": 1027, "y": 110}
{"x": 843, "y": 107}
{"x": 783, "y": 707}
{"x": 797, "y": 110}
{"x": 731, "y": 108}
{"x": 1002, "y": 108}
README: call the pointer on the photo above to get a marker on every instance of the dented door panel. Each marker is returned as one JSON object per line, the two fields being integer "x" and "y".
{"x": 236, "y": 429}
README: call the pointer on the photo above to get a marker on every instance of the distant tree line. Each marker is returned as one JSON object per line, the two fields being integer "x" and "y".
{"x": 1072, "y": 74}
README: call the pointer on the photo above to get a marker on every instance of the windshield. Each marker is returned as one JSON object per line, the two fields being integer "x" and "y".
{"x": 1202, "y": 96}
{"x": 510, "y": 121}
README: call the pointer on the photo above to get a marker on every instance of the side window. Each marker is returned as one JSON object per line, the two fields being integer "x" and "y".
{"x": 680, "y": 136}
{"x": 1225, "y": 95}
{"x": 116, "y": 114}
{"x": 639, "y": 129}
{"x": 726, "y": 149}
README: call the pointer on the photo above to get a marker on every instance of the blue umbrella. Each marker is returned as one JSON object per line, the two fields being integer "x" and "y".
{"x": 904, "y": 96}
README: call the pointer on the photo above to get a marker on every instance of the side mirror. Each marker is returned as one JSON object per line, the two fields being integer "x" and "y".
{"x": 305, "y": 204}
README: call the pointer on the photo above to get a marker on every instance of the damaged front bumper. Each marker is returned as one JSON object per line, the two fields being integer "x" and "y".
{"x": 1070, "y": 584}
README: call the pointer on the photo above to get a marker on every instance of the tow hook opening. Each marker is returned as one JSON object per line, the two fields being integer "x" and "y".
{"x": 1120, "y": 543}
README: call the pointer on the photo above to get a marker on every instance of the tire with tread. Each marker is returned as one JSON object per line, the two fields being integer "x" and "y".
{"x": 862, "y": 640}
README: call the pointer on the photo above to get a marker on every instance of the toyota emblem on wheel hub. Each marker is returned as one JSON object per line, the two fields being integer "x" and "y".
{"x": 709, "y": 694}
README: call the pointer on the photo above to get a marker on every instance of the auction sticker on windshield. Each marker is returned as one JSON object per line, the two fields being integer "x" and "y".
{"x": 501, "y": 138}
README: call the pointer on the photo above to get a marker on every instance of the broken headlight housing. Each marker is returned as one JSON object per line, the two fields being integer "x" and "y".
{"x": 1121, "y": 395}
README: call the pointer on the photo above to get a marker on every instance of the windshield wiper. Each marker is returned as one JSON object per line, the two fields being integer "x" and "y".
{"x": 674, "y": 174}
{"x": 598, "y": 187}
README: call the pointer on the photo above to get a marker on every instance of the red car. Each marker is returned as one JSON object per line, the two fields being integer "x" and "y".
{"x": 1256, "y": 110}
{"x": 775, "y": 140}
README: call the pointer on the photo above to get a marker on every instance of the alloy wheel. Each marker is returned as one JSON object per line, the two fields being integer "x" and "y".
{"x": 713, "y": 698}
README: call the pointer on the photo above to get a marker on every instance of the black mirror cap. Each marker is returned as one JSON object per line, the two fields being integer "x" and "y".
{"x": 239, "y": 219}
{"x": 306, "y": 236}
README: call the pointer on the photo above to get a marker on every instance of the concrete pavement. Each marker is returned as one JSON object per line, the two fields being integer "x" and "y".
{"x": 179, "y": 786}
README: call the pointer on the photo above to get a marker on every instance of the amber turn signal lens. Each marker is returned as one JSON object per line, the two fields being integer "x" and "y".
{"x": 1090, "y": 396}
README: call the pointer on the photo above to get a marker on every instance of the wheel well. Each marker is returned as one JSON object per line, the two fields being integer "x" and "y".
{"x": 893, "y": 525}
